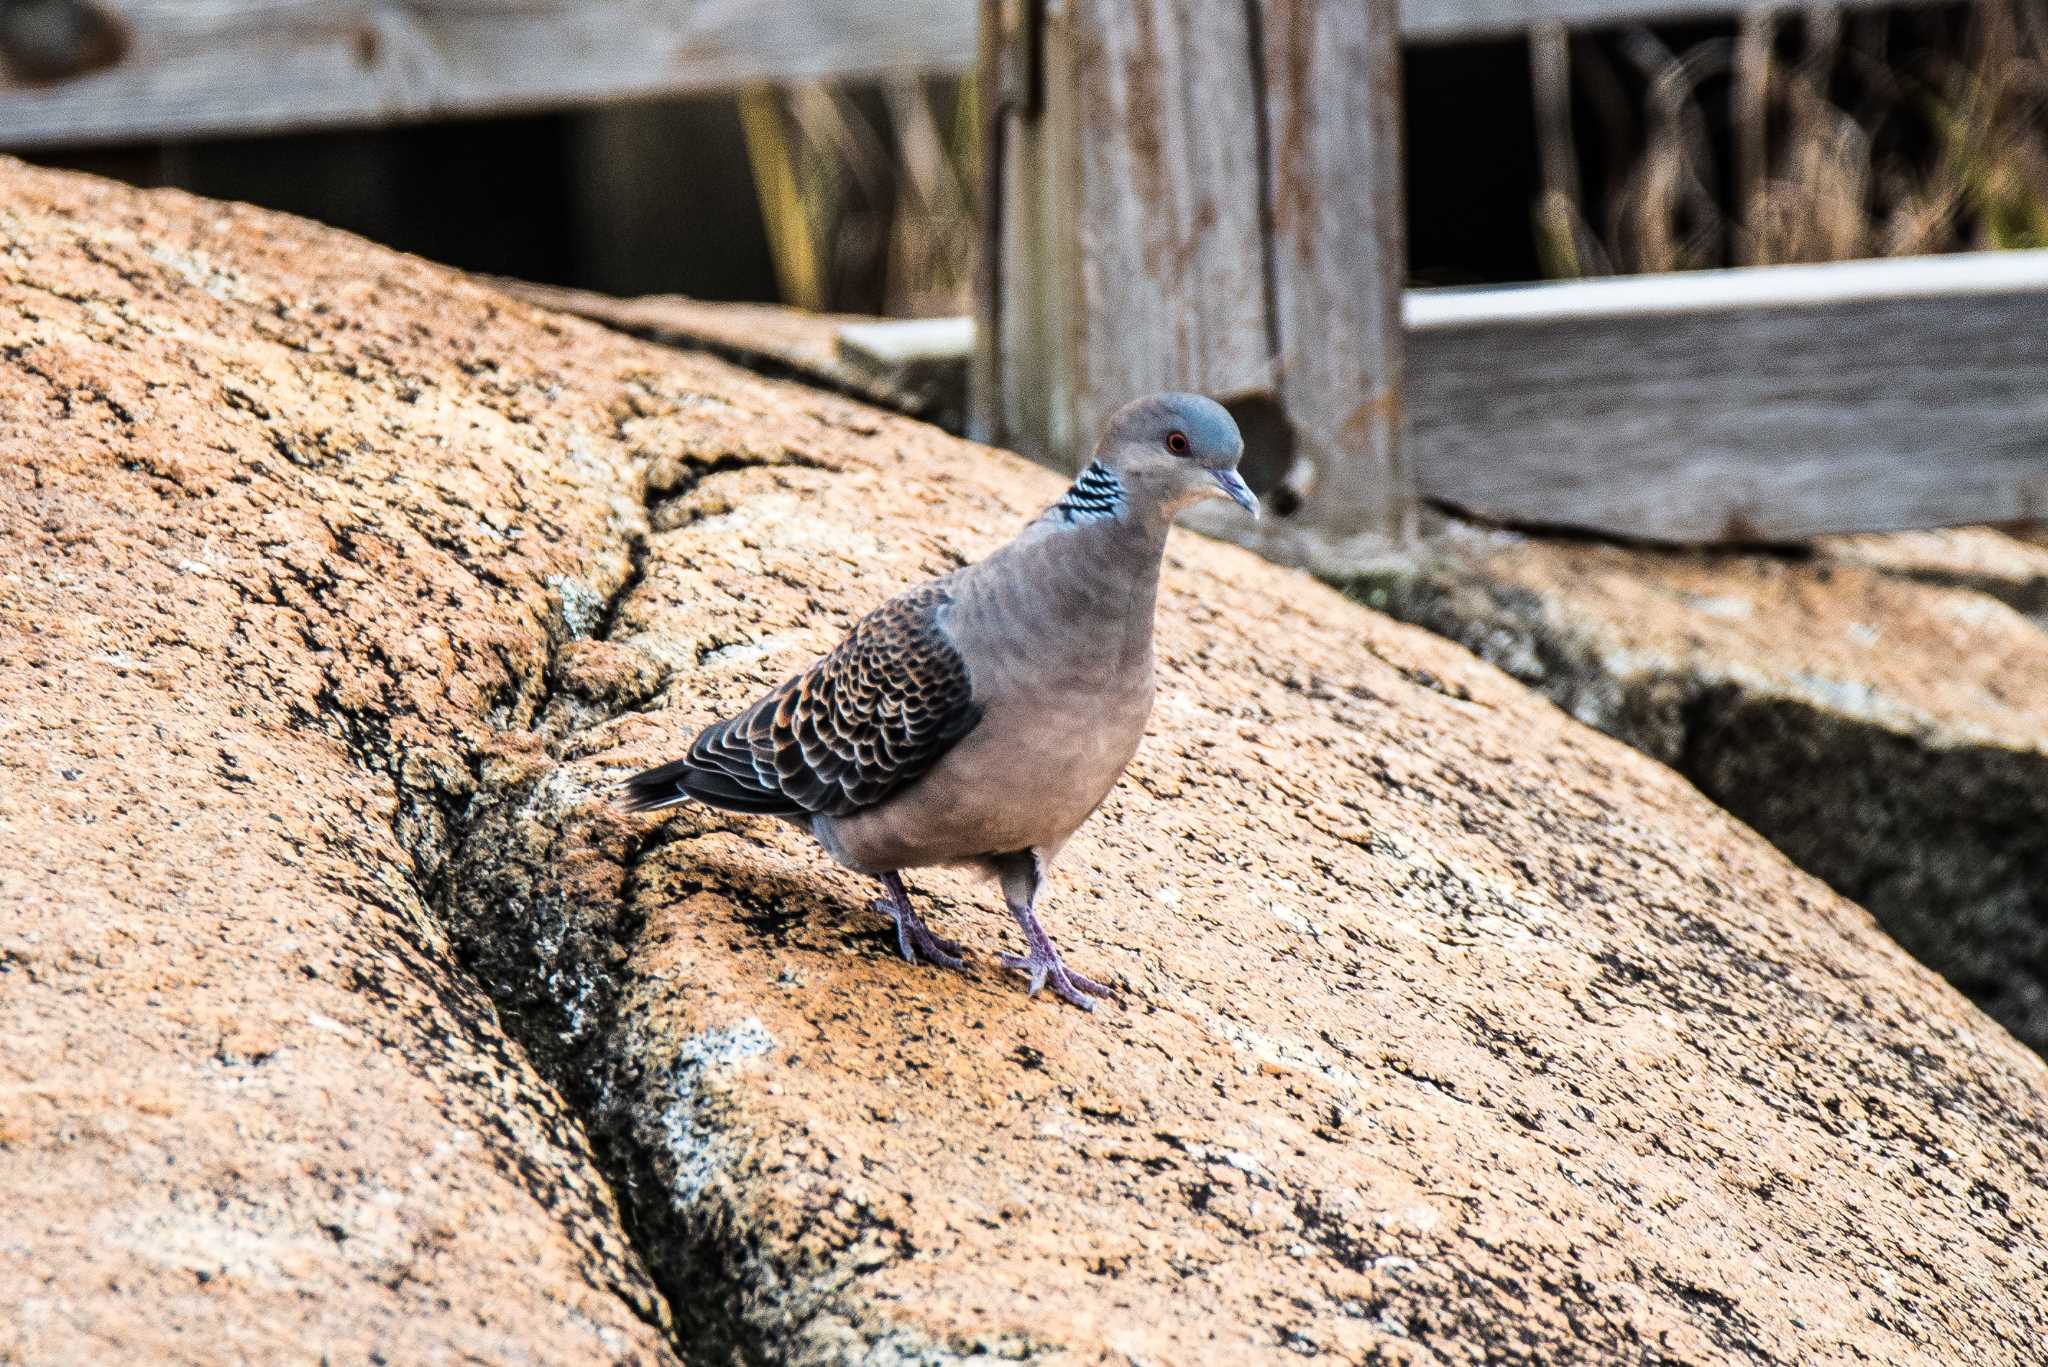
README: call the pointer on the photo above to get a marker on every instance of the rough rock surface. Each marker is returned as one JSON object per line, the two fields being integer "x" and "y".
{"x": 770, "y": 339}
{"x": 1876, "y": 708}
{"x": 287, "y": 526}
{"x": 2009, "y": 564}
{"x": 1451, "y": 1031}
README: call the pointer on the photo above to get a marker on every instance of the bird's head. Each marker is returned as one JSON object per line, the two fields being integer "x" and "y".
{"x": 1171, "y": 450}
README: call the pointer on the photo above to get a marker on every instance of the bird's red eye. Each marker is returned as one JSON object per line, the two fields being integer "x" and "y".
{"x": 1177, "y": 442}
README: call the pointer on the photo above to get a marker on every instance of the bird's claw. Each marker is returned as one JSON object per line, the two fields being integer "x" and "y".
{"x": 1075, "y": 989}
{"x": 915, "y": 941}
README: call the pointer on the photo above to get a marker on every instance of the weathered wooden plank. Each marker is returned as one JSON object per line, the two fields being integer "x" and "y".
{"x": 1768, "y": 404}
{"x": 1165, "y": 201}
{"x": 894, "y": 343}
{"x": 1202, "y": 196}
{"x": 920, "y": 361}
{"x": 1129, "y": 240}
{"x": 187, "y": 68}
{"x": 1335, "y": 264}
{"x": 191, "y": 67}
{"x": 1020, "y": 313}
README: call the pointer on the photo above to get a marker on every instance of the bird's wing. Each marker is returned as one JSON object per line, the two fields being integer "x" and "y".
{"x": 869, "y": 718}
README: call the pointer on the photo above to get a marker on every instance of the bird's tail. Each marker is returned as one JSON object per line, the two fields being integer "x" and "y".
{"x": 685, "y": 780}
{"x": 652, "y": 789}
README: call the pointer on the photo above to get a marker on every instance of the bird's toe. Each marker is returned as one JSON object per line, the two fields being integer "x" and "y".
{"x": 1066, "y": 991}
{"x": 1074, "y": 988}
{"x": 1035, "y": 971}
{"x": 944, "y": 953}
{"x": 939, "y": 947}
{"x": 916, "y": 943}
{"x": 1084, "y": 983}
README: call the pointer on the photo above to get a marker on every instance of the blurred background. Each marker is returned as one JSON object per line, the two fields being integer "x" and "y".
{"x": 1796, "y": 136}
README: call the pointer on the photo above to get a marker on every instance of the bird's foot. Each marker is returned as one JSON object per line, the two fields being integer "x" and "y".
{"x": 1044, "y": 967}
{"x": 915, "y": 939}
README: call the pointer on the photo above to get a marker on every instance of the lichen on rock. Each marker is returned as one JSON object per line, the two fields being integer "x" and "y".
{"x": 1872, "y": 705}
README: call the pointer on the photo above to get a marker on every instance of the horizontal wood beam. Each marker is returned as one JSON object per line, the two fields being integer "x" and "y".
{"x": 1766, "y": 404}
{"x": 144, "y": 70}
{"x": 188, "y": 68}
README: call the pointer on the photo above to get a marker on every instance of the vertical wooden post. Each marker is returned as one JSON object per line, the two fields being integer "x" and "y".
{"x": 1206, "y": 195}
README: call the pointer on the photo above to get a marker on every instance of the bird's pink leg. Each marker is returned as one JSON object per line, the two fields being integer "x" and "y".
{"x": 913, "y": 937}
{"x": 1042, "y": 967}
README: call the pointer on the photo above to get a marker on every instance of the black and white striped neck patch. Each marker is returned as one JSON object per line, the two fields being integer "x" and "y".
{"x": 1097, "y": 496}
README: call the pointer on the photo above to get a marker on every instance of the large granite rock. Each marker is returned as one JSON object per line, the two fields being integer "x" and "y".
{"x": 338, "y": 592}
{"x": 1876, "y": 707}
{"x": 288, "y": 527}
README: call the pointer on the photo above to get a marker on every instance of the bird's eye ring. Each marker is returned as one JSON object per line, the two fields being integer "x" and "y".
{"x": 1177, "y": 442}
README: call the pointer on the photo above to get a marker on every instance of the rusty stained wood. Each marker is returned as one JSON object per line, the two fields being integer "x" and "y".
{"x": 1759, "y": 405}
{"x": 194, "y": 67}
{"x": 1193, "y": 195}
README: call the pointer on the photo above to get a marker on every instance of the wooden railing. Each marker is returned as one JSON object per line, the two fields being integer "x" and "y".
{"x": 135, "y": 70}
{"x": 1772, "y": 403}
{"x": 78, "y": 72}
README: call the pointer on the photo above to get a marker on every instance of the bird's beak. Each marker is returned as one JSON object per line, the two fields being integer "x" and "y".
{"x": 1237, "y": 491}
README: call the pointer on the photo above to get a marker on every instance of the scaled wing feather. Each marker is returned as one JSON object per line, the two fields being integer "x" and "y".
{"x": 871, "y": 717}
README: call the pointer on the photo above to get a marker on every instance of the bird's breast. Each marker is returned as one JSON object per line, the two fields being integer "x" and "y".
{"x": 1025, "y": 778}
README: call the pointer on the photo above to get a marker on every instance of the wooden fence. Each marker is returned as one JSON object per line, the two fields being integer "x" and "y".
{"x": 1205, "y": 193}
{"x": 102, "y": 71}
{"x": 1763, "y": 404}
{"x": 76, "y": 72}
{"x": 1201, "y": 196}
